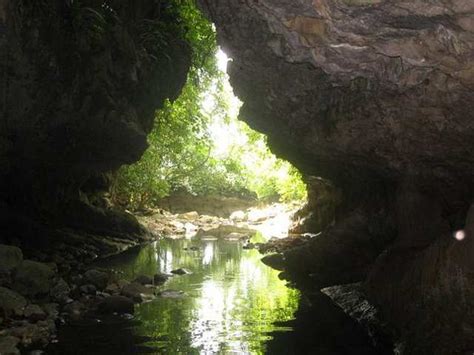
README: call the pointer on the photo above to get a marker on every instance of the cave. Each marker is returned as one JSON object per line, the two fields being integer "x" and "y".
{"x": 369, "y": 99}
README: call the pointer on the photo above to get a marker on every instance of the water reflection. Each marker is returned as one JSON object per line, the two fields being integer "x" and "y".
{"x": 231, "y": 299}
{"x": 233, "y": 304}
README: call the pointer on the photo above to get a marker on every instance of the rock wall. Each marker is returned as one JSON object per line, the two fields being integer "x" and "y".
{"x": 80, "y": 82}
{"x": 374, "y": 97}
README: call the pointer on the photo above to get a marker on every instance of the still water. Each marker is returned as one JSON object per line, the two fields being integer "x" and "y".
{"x": 230, "y": 299}
{"x": 229, "y": 303}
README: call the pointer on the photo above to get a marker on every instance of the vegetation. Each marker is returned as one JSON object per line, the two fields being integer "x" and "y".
{"x": 197, "y": 142}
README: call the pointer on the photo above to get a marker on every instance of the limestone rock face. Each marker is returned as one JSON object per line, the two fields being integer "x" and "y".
{"x": 356, "y": 88}
{"x": 375, "y": 97}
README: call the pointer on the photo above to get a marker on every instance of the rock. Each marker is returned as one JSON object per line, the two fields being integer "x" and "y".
{"x": 97, "y": 278}
{"x": 33, "y": 278}
{"x": 137, "y": 292}
{"x": 236, "y": 236}
{"x": 249, "y": 246}
{"x": 208, "y": 237}
{"x": 11, "y": 303}
{"x": 38, "y": 334}
{"x": 160, "y": 278}
{"x": 75, "y": 309}
{"x": 256, "y": 216}
{"x": 238, "y": 216}
{"x": 116, "y": 304}
{"x": 8, "y": 345}
{"x": 192, "y": 248}
{"x": 88, "y": 289}
{"x": 36, "y": 352}
{"x": 275, "y": 261}
{"x": 224, "y": 230}
{"x": 51, "y": 309}
{"x": 171, "y": 294}
{"x": 189, "y": 216}
{"x": 354, "y": 302}
{"x": 34, "y": 313}
{"x": 181, "y": 271}
{"x": 10, "y": 258}
{"x": 60, "y": 291}
{"x": 144, "y": 280}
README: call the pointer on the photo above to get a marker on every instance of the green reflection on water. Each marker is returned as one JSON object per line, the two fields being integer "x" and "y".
{"x": 231, "y": 298}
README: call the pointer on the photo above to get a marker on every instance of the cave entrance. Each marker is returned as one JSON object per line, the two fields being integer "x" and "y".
{"x": 201, "y": 157}
{"x": 200, "y": 148}
{"x": 212, "y": 188}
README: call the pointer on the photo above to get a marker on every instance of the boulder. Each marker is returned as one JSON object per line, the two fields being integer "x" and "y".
{"x": 10, "y": 258}
{"x": 238, "y": 216}
{"x": 275, "y": 261}
{"x": 51, "y": 309}
{"x": 33, "y": 278}
{"x": 160, "y": 278}
{"x": 11, "y": 303}
{"x": 60, "y": 291}
{"x": 189, "y": 216}
{"x": 236, "y": 236}
{"x": 144, "y": 280}
{"x": 75, "y": 309}
{"x": 34, "y": 334}
{"x": 34, "y": 313}
{"x": 172, "y": 294}
{"x": 97, "y": 278}
{"x": 8, "y": 345}
{"x": 181, "y": 271}
{"x": 137, "y": 292}
{"x": 88, "y": 289}
{"x": 116, "y": 304}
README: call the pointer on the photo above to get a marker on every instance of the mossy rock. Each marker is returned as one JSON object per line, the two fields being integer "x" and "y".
{"x": 33, "y": 278}
{"x": 10, "y": 258}
{"x": 11, "y": 303}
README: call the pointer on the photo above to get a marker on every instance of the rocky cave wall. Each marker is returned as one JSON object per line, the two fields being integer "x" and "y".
{"x": 375, "y": 97}
{"x": 80, "y": 82}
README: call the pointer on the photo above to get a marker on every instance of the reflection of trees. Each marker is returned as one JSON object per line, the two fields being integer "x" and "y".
{"x": 232, "y": 301}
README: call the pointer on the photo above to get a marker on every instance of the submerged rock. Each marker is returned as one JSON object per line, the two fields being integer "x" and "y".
{"x": 172, "y": 294}
{"x": 75, "y": 309}
{"x": 181, "y": 271}
{"x": 144, "y": 280}
{"x": 236, "y": 236}
{"x": 34, "y": 334}
{"x": 116, "y": 304}
{"x": 160, "y": 278}
{"x": 137, "y": 292}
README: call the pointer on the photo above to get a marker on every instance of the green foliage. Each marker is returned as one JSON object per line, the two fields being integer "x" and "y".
{"x": 183, "y": 152}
